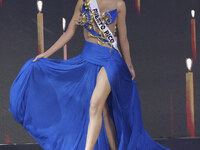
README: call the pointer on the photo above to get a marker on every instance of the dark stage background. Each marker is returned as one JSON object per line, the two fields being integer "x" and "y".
{"x": 160, "y": 40}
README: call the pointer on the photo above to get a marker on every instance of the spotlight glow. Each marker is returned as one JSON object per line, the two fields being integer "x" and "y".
{"x": 39, "y": 5}
{"x": 189, "y": 63}
{"x": 193, "y": 13}
{"x": 64, "y": 23}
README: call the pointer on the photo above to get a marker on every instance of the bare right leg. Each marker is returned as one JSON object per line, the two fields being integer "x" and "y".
{"x": 110, "y": 128}
{"x": 97, "y": 102}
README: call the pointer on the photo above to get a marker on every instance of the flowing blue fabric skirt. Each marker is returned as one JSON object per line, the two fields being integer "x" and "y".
{"x": 50, "y": 98}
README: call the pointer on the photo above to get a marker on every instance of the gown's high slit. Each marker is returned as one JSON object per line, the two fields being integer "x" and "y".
{"x": 51, "y": 99}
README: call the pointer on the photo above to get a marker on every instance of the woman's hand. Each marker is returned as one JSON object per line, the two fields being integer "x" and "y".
{"x": 42, "y": 55}
{"x": 132, "y": 71}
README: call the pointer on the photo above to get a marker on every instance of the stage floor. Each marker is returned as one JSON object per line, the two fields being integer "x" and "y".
{"x": 183, "y": 143}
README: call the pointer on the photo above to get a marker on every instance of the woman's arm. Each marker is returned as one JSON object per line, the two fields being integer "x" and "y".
{"x": 67, "y": 35}
{"x": 123, "y": 39}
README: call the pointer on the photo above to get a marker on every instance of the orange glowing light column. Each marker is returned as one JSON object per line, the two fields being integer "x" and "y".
{"x": 190, "y": 99}
{"x": 65, "y": 46}
{"x": 40, "y": 27}
{"x": 193, "y": 34}
{"x": 137, "y": 4}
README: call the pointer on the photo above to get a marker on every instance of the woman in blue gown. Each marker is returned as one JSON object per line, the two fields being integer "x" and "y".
{"x": 89, "y": 101}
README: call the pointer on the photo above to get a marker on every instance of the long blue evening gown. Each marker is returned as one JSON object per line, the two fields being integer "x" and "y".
{"x": 50, "y": 98}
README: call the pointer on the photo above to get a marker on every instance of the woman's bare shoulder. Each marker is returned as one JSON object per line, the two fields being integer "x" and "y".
{"x": 79, "y": 4}
{"x": 121, "y": 4}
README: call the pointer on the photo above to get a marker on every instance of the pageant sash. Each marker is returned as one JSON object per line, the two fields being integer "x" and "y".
{"x": 103, "y": 27}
